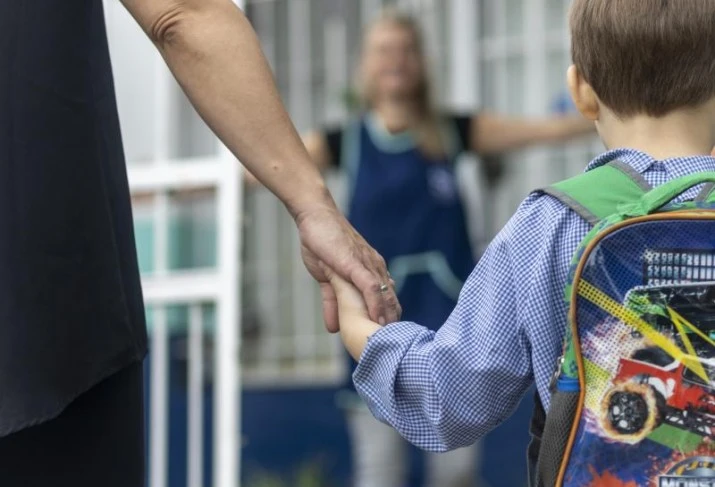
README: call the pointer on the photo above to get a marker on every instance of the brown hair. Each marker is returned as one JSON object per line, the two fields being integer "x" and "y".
{"x": 428, "y": 126}
{"x": 646, "y": 56}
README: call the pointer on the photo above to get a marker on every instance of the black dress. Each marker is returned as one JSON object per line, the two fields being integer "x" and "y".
{"x": 72, "y": 329}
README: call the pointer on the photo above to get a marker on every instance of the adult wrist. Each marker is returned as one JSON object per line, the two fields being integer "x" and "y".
{"x": 311, "y": 198}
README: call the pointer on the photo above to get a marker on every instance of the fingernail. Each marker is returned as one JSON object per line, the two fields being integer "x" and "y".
{"x": 382, "y": 321}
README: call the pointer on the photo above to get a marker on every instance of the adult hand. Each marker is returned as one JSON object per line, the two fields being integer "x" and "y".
{"x": 327, "y": 237}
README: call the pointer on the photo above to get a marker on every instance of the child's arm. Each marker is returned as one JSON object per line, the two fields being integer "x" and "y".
{"x": 355, "y": 325}
{"x": 443, "y": 390}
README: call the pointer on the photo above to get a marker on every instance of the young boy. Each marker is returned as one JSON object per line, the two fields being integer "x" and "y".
{"x": 644, "y": 72}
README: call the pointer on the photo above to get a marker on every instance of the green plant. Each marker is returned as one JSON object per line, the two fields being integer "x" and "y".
{"x": 310, "y": 474}
{"x": 351, "y": 99}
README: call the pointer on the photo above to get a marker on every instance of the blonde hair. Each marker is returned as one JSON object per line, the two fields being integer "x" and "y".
{"x": 427, "y": 128}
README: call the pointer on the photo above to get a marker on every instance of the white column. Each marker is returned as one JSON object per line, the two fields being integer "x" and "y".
{"x": 227, "y": 412}
{"x": 195, "y": 437}
{"x": 538, "y": 169}
{"x": 159, "y": 413}
{"x": 266, "y": 219}
{"x": 494, "y": 59}
{"x": 269, "y": 277}
{"x": 463, "y": 35}
{"x": 300, "y": 99}
{"x": 336, "y": 67}
{"x": 301, "y": 110}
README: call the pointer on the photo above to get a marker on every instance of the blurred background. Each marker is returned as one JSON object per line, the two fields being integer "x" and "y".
{"x": 508, "y": 56}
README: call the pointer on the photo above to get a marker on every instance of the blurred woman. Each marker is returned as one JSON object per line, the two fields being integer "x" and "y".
{"x": 399, "y": 156}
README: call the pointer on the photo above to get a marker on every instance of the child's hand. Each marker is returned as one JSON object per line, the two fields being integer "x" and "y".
{"x": 349, "y": 298}
{"x": 354, "y": 320}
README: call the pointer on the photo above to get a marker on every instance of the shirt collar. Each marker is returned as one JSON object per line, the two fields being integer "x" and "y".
{"x": 642, "y": 162}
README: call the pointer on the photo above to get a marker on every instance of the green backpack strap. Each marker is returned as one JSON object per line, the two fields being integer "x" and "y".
{"x": 598, "y": 193}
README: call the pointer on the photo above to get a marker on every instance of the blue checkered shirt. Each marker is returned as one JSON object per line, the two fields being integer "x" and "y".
{"x": 443, "y": 390}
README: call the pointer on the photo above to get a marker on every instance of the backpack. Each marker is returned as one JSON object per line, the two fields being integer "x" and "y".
{"x": 633, "y": 396}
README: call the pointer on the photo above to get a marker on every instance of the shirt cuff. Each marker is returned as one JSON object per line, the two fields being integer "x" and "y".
{"x": 377, "y": 370}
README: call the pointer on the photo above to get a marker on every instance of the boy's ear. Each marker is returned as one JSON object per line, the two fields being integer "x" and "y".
{"x": 713, "y": 152}
{"x": 582, "y": 93}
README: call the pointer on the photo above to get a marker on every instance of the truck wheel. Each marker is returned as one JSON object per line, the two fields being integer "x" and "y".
{"x": 630, "y": 412}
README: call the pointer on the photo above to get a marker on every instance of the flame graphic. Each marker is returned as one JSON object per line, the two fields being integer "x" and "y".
{"x": 663, "y": 465}
{"x": 647, "y": 394}
{"x": 607, "y": 480}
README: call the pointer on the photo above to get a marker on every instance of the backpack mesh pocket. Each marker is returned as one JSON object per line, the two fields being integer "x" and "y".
{"x": 557, "y": 430}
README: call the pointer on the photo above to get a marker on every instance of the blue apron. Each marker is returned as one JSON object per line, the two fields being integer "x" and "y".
{"x": 408, "y": 208}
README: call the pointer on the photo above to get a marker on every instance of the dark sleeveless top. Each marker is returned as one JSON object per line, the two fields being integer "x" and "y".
{"x": 71, "y": 309}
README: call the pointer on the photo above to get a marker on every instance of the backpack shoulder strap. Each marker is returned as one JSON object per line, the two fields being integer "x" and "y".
{"x": 598, "y": 193}
{"x": 593, "y": 195}
{"x": 707, "y": 194}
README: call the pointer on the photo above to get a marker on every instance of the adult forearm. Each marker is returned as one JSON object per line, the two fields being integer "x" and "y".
{"x": 567, "y": 127}
{"x": 496, "y": 134}
{"x": 216, "y": 57}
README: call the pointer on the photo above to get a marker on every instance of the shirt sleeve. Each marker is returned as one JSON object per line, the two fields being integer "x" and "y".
{"x": 492, "y": 166}
{"x": 444, "y": 390}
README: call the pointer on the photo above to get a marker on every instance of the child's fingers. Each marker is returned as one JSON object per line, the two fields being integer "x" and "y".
{"x": 347, "y": 294}
{"x": 341, "y": 286}
{"x": 335, "y": 280}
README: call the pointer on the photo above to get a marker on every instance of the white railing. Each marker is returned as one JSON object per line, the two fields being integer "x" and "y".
{"x": 193, "y": 288}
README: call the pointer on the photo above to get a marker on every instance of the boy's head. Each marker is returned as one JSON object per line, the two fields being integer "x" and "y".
{"x": 642, "y": 57}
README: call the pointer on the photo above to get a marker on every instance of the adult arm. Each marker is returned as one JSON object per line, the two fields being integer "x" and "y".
{"x": 493, "y": 134}
{"x": 213, "y": 52}
{"x": 316, "y": 144}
